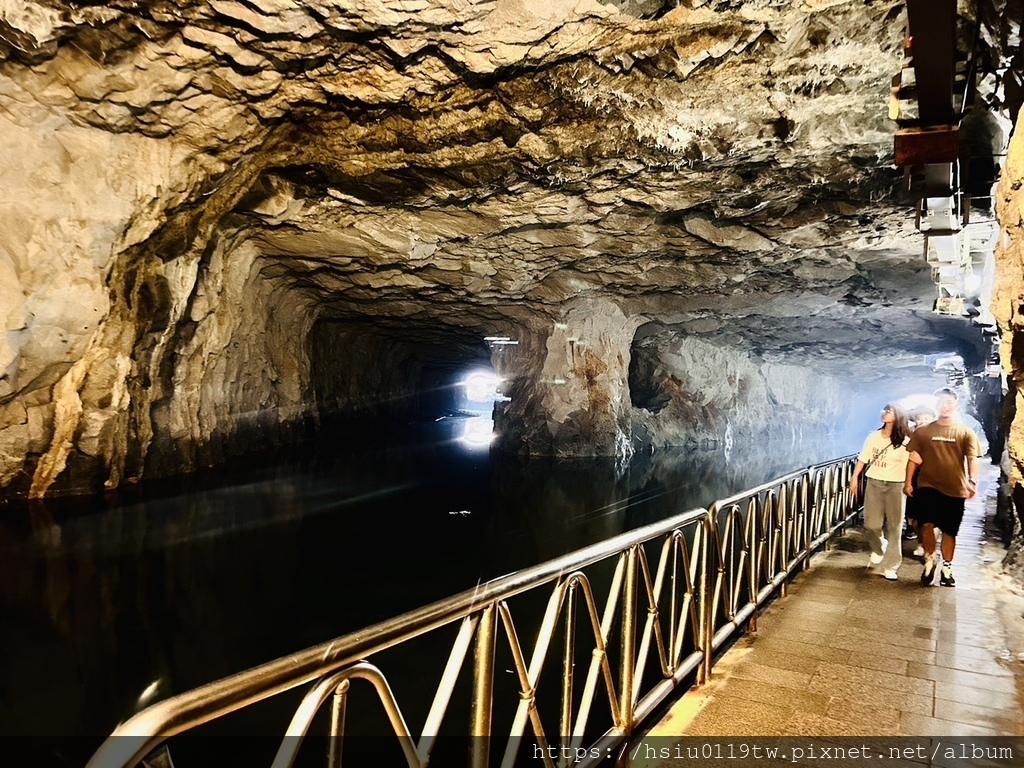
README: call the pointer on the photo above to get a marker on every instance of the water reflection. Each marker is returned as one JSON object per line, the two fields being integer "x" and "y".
{"x": 110, "y": 604}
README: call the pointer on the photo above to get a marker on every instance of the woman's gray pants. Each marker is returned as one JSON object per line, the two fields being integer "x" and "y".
{"x": 883, "y": 518}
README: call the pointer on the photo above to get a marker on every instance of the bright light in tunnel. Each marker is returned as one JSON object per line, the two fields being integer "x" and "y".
{"x": 910, "y": 402}
{"x": 946, "y": 362}
{"x": 478, "y": 432}
{"x": 482, "y": 387}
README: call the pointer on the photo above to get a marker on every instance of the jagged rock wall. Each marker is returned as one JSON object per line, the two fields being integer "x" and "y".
{"x": 213, "y": 360}
{"x": 109, "y": 224}
{"x": 73, "y": 198}
{"x": 195, "y": 187}
{"x": 568, "y": 384}
{"x": 575, "y": 391}
{"x": 701, "y": 395}
{"x": 240, "y": 372}
{"x": 1008, "y": 308}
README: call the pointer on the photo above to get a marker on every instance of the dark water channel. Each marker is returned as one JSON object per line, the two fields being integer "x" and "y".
{"x": 107, "y": 604}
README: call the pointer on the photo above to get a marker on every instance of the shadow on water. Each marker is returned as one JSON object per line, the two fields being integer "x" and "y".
{"x": 109, "y": 604}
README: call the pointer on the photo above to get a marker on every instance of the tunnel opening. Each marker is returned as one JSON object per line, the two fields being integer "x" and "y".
{"x": 389, "y": 378}
{"x": 478, "y": 393}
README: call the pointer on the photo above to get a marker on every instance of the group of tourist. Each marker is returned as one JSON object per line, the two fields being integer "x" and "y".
{"x": 930, "y": 458}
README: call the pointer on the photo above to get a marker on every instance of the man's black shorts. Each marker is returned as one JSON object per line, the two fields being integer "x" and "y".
{"x": 944, "y": 512}
{"x": 912, "y": 505}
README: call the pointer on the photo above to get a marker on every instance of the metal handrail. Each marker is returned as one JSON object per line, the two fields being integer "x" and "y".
{"x": 692, "y": 594}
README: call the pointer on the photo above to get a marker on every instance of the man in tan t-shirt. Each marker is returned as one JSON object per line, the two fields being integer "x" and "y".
{"x": 940, "y": 451}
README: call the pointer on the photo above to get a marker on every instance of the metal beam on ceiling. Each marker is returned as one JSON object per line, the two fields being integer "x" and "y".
{"x": 930, "y": 96}
{"x": 932, "y": 27}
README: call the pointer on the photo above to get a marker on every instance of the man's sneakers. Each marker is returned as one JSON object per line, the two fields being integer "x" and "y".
{"x": 919, "y": 552}
{"x": 929, "y": 570}
{"x": 945, "y": 573}
{"x": 890, "y": 575}
{"x": 946, "y": 576}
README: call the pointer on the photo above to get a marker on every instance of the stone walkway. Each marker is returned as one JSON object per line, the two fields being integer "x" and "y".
{"x": 848, "y": 653}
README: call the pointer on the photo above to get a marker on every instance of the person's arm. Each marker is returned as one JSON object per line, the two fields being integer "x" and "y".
{"x": 973, "y": 465}
{"x": 855, "y": 480}
{"x": 912, "y": 464}
{"x": 858, "y": 470}
{"x": 973, "y": 468}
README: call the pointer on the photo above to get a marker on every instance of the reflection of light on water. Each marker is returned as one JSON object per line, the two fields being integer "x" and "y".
{"x": 478, "y": 432}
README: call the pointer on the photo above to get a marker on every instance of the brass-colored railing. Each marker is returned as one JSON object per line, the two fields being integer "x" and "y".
{"x": 714, "y": 569}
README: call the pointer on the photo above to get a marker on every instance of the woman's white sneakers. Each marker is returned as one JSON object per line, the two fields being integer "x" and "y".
{"x": 875, "y": 558}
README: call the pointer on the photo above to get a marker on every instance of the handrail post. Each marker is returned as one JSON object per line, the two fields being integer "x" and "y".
{"x": 753, "y": 537}
{"x": 483, "y": 688}
{"x": 810, "y": 504}
{"x": 628, "y": 660}
{"x": 337, "y": 732}
{"x": 706, "y": 630}
{"x": 785, "y": 531}
{"x": 568, "y": 664}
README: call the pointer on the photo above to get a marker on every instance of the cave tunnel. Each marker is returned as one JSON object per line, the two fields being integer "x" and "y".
{"x": 386, "y": 377}
{"x": 317, "y": 312}
{"x": 359, "y": 369}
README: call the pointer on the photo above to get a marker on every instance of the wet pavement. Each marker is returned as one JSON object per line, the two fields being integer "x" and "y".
{"x": 848, "y": 653}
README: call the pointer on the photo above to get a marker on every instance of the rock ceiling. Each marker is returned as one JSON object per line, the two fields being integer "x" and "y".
{"x": 440, "y": 171}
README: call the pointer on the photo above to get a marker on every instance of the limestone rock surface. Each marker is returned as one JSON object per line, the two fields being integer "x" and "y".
{"x": 222, "y": 220}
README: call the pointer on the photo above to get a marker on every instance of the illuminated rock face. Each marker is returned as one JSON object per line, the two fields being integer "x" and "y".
{"x": 1008, "y": 308}
{"x": 221, "y": 219}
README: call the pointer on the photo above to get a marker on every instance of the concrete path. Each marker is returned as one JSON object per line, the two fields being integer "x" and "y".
{"x": 848, "y": 653}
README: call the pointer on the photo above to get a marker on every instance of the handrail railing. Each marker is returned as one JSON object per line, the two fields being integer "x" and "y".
{"x": 716, "y": 567}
